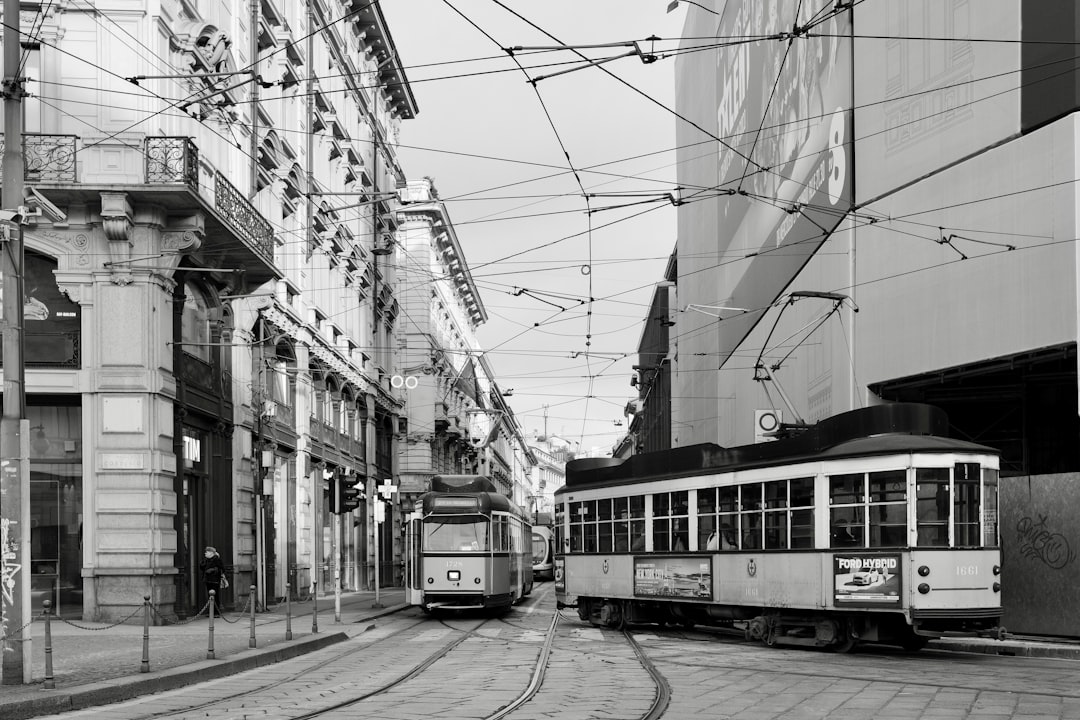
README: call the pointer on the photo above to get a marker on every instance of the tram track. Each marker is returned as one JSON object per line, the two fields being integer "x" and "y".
{"x": 322, "y": 664}
{"x": 937, "y": 670}
{"x": 253, "y": 699}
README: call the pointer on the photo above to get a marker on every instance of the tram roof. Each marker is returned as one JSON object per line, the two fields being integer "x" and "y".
{"x": 882, "y": 429}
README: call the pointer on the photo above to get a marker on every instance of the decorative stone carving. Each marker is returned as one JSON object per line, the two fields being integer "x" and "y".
{"x": 117, "y": 223}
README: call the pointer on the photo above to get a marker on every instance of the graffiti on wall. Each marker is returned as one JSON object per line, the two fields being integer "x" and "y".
{"x": 9, "y": 570}
{"x": 1040, "y": 543}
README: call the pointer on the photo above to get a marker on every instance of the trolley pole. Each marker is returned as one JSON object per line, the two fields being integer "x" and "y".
{"x": 14, "y": 428}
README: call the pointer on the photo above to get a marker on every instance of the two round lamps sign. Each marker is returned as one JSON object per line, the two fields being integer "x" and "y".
{"x": 408, "y": 382}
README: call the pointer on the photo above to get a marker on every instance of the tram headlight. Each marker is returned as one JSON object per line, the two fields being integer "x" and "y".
{"x": 997, "y": 569}
{"x": 924, "y": 570}
{"x": 924, "y": 588}
{"x": 453, "y": 575}
{"x": 997, "y": 587}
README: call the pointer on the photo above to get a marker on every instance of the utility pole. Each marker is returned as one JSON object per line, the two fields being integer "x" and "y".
{"x": 14, "y": 428}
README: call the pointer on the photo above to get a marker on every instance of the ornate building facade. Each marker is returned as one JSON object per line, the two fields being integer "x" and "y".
{"x": 212, "y": 332}
{"x": 459, "y": 422}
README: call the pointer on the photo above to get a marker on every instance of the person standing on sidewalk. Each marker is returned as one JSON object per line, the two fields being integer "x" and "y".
{"x": 213, "y": 572}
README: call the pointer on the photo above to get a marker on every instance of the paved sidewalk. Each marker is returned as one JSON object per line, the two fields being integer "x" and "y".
{"x": 97, "y": 663}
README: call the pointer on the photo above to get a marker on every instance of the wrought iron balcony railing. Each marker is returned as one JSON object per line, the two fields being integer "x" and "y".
{"x": 47, "y": 158}
{"x": 244, "y": 218}
{"x": 172, "y": 160}
{"x": 176, "y": 160}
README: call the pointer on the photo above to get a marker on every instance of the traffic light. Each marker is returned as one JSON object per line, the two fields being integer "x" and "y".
{"x": 330, "y": 486}
{"x": 350, "y": 493}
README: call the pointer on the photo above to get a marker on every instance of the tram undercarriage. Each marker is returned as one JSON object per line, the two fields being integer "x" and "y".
{"x": 837, "y": 632}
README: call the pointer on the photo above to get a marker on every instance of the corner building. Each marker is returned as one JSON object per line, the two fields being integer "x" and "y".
{"x": 210, "y": 335}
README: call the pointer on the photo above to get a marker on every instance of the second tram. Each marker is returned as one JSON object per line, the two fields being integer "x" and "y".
{"x": 467, "y": 547}
{"x": 543, "y": 547}
{"x": 870, "y": 526}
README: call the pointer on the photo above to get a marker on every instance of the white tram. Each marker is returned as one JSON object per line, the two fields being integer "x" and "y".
{"x": 543, "y": 547}
{"x": 868, "y": 526}
{"x": 468, "y": 547}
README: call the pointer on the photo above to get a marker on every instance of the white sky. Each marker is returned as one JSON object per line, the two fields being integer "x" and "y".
{"x": 537, "y": 238}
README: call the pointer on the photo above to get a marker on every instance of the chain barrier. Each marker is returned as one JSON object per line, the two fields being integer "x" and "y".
{"x": 166, "y": 621}
{"x": 239, "y": 615}
{"x": 18, "y": 632}
{"x": 104, "y": 627}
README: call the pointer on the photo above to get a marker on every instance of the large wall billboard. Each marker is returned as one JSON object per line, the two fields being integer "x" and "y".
{"x": 786, "y": 106}
{"x": 775, "y": 181}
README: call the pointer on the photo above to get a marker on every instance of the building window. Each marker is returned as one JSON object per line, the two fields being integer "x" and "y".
{"x": 195, "y": 323}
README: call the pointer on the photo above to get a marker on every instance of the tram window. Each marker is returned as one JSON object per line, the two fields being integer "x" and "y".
{"x": 847, "y": 527}
{"x": 888, "y": 525}
{"x": 455, "y": 533}
{"x": 622, "y": 536}
{"x": 728, "y": 499}
{"x": 802, "y": 492}
{"x": 966, "y": 504}
{"x": 888, "y": 486}
{"x": 604, "y": 532}
{"x": 707, "y": 536}
{"x": 751, "y": 524}
{"x": 776, "y": 494}
{"x": 706, "y": 510}
{"x": 728, "y": 518}
{"x": 888, "y": 508}
{"x": 706, "y": 501}
{"x": 802, "y": 528}
{"x": 776, "y": 530}
{"x": 990, "y": 507}
{"x": 661, "y": 535}
{"x": 559, "y": 528}
{"x": 637, "y": 506}
{"x": 603, "y": 509}
{"x": 932, "y": 506}
{"x": 621, "y": 507}
{"x": 846, "y": 489}
{"x": 588, "y": 537}
{"x": 637, "y": 535}
{"x": 671, "y": 521}
{"x": 500, "y": 534}
{"x": 750, "y": 515}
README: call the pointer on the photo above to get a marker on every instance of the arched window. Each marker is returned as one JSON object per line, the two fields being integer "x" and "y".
{"x": 195, "y": 323}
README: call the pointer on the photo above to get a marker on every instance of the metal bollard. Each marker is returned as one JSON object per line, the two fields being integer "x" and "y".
{"x": 210, "y": 647}
{"x": 50, "y": 684}
{"x": 251, "y": 604}
{"x": 288, "y": 612}
{"x": 145, "y": 667}
{"x": 315, "y": 609}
